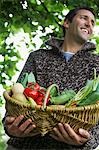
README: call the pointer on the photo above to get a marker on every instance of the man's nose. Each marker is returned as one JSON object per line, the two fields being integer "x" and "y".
{"x": 88, "y": 23}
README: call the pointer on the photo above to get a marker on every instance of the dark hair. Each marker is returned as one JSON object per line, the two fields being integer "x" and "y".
{"x": 74, "y": 11}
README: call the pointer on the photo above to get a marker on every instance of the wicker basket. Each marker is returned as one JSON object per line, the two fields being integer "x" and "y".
{"x": 48, "y": 117}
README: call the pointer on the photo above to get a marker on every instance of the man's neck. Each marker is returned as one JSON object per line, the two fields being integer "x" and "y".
{"x": 71, "y": 45}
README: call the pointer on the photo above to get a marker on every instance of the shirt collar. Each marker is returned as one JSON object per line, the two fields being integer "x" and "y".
{"x": 57, "y": 43}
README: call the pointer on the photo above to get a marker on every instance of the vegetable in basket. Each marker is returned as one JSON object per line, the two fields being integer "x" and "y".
{"x": 92, "y": 98}
{"x": 28, "y": 78}
{"x": 31, "y": 93}
{"x": 33, "y": 89}
{"x": 63, "y": 98}
{"x": 37, "y": 95}
{"x": 18, "y": 96}
{"x": 87, "y": 95}
{"x": 17, "y": 88}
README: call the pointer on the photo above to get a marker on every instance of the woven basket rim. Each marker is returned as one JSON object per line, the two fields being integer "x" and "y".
{"x": 69, "y": 109}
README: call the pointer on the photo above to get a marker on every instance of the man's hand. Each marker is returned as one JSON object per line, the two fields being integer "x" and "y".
{"x": 66, "y": 134}
{"x": 18, "y": 129}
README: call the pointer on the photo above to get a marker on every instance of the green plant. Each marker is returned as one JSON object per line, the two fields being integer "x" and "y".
{"x": 3, "y": 144}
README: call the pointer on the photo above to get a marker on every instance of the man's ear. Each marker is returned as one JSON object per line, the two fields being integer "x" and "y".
{"x": 66, "y": 24}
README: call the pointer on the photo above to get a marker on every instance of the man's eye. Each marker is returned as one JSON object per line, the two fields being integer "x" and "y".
{"x": 93, "y": 23}
{"x": 83, "y": 17}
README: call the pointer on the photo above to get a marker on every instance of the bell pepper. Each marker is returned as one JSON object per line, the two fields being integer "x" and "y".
{"x": 33, "y": 85}
{"x": 36, "y": 86}
{"x": 31, "y": 93}
{"x": 39, "y": 100}
{"x": 37, "y": 94}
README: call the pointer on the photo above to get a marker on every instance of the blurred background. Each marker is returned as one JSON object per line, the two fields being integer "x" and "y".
{"x": 24, "y": 27}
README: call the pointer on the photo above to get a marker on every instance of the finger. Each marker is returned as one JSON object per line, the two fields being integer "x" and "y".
{"x": 18, "y": 120}
{"x": 29, "y": 129}
{"x": 84, "y": 133}
{"x": 74, "y": 137}
{"x": 9, "y": 120}
{"x": 25, "y": 125}
{"x": 64, "y": 132}
{"x": 58, "y": 134}
{"x": 70, "y": 131}
{"x": 77, "y": 139}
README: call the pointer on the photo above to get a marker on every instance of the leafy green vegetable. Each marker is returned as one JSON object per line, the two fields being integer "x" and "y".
{"x": 92, "y": 98}
{"x": 24, "y": 80}
{"x": 31, "y": 77}
{"x": 88, "y": 94}
{"x": 27, "y": 78}
{"x": 63, "y": 98}
{"x": 54, "y": 92}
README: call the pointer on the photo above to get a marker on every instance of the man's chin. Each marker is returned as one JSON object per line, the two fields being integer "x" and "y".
{"x": 85, "y": 39}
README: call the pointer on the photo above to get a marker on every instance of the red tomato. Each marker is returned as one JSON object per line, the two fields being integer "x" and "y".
{"x": 27, "y": 91}
{"x": 41, "y": 93}
{"x": 39, "y": 100}
{"x": 31, "y": 93}
{"x": 34, "y": 94}
{"x": 36, "y": 86}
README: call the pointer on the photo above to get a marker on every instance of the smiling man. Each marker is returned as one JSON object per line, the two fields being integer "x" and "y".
{"x": 79, "y": 29}
{"x": 68, "y": 62}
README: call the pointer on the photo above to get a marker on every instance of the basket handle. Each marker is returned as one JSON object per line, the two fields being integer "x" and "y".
{"x": 47, "y": 94}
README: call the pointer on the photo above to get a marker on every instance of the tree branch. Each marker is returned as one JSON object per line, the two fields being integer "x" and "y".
{"x": 42, "y": 3}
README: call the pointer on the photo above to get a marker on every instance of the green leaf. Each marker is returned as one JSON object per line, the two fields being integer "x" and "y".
{"x": 31, "y": 78}
{"x": 1, "y": 101}
{"x": 24, "y": 80}
{"x": 54, "y": 92}
{"x": 3, "y": 144}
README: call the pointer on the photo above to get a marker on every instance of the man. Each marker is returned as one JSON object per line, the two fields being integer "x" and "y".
{"x": 68, "y": 63}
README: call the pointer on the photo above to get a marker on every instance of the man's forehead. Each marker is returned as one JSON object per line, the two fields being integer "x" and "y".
{"x": 85, "y": 12}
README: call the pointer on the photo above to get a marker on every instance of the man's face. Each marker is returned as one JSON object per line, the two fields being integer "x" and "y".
{"x": 81, "y": 27}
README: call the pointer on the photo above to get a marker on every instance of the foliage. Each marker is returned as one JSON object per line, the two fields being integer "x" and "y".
{"x": 3, "y": 144}
{"x": 29, "y": 15}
